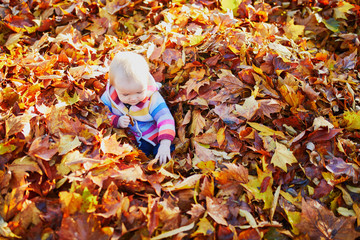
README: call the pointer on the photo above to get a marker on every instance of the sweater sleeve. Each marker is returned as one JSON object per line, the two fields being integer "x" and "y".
{"x": 162, "y": 116}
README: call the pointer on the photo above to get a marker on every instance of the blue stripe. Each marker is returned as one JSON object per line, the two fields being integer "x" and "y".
{"x": 158, "y": 108}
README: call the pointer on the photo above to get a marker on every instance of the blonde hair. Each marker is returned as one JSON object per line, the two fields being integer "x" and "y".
{"x": 130, "y": 67}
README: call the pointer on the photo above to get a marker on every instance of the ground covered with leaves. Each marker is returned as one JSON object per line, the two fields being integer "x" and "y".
{"x": 265, "y": 95}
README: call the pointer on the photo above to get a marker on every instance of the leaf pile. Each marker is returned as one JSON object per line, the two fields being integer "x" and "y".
{"x": 265, "y": 96}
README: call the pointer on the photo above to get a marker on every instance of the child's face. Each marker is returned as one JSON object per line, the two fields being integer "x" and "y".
{"x": 131, "y": 93}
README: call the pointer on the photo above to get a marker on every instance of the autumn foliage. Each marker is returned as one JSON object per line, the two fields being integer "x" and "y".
{"x": 265, "y": 95}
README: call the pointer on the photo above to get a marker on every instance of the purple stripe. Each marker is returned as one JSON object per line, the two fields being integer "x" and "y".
{"x": 152, "y": 128}
{"x": 163, "y": 111}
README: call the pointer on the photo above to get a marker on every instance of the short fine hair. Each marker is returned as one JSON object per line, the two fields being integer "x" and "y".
{"x": 129, "y": 66}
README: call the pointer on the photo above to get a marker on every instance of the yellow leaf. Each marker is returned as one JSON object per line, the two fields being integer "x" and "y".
{"x": 282, "y": 156}
{"x": 266, "y": 131}
{"x": 294, "y": 219}
{"x": 206, "y": 166}
{"x": 342, "y": 9}
{"x": 70, "y": 202}
{"x": 68, "y": 163}
{"x": 352, "y": 120}
{"x": 220, "y": 136}
{"x": 68, "y": 143}
{"x": 250, "y": 218}
{"x": 292, "y": 97}
{"x": 293, "y": 31}
{"x": 204, "y": 228}
{"x": 254, "y": 186}
{"x": 194, "y": 40}
{"x": 230, "y": 4}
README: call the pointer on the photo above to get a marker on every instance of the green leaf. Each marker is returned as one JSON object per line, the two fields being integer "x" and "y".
{"x": 6, "y": 148}
{"x": 332, "y": 24}
{"x": 89, "y": 201}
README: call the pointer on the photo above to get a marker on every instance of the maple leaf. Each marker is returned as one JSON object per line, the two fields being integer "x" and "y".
{"x": 341, "y": 10}
{"x": 269, "y": 106}
{"x": 318, "y": 222}
{"x": 338, "y": 166}
{"x": 282, "y": 156}
{"x": 111, "y": 145}
{"x": 18, "y": 124}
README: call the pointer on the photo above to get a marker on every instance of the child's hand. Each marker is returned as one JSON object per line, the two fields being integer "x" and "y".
{"x": 164, "y": 154}
{"x": 124, "y": 121}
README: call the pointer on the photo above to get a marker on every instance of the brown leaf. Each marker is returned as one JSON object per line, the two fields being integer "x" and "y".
{"x": 233, "y": 174}
{"x": 43, "y": 148}
{"x": 197, "y": 123}
{"x": 207, "y": 188}
{"x": 217, "y": 210}
{"x": 225, "y": 112}
{"x": 82, "y": 227}
{"x": 196, "y": 211}
{"x": 339, "y": 167}
{"x": 269, "y": 106}
{"x": 320, "y": 223}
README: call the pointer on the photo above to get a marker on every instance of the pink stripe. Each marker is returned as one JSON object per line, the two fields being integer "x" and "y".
{"x": 152, "y": 128}
{"x": 166, "y": 121}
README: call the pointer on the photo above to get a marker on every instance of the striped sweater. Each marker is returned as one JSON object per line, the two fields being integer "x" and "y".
{"x": 152, "y": 120}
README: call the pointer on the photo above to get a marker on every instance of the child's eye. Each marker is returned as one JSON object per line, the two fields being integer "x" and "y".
{"x": 125, "y": 95}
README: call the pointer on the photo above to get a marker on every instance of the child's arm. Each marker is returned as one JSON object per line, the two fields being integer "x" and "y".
{"x": 166, "y": 125}
{"x": 115, "y": 120}
{"x": 164, "y": 153}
